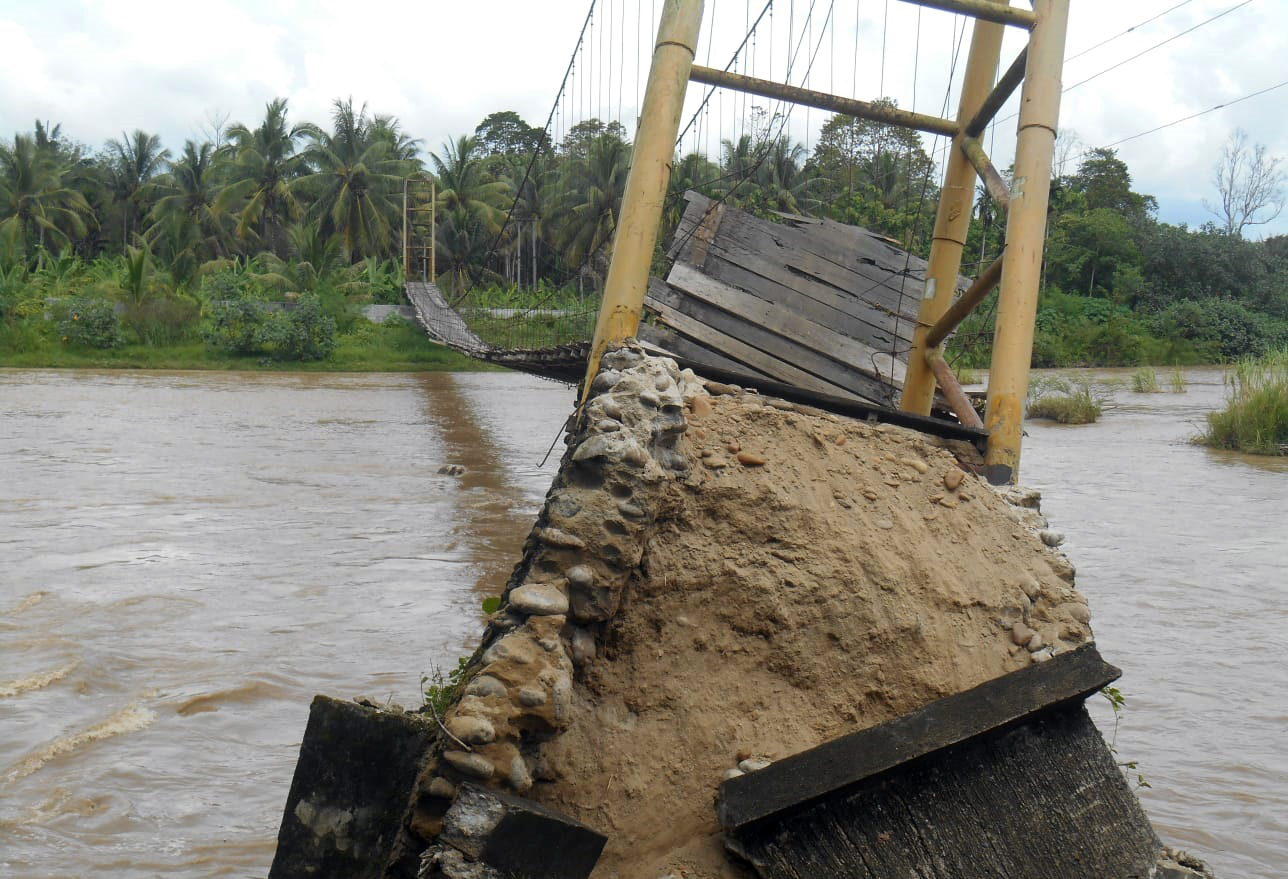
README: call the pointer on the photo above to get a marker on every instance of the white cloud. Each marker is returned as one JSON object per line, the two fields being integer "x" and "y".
{"x": 103, "y": 66}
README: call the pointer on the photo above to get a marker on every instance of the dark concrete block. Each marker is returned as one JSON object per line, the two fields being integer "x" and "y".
{"x": 519, "y": 837}
{"x": 351, "y": 793}
{"x": 1044, "y": 798}
{"x": 834, "y": 766}
{"x": 1009, "y": 779}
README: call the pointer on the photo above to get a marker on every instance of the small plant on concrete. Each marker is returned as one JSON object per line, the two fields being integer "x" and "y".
{"x": 441, "y": 689}
{"x": 1145, "y": 381}
{"x": 1117, "y": 701}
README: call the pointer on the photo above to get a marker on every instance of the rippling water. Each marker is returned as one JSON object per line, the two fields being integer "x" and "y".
{"x": 1183, "y": 554}
{"x": 186, "y": 558}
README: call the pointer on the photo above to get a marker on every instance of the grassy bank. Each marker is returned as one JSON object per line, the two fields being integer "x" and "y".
{"x": 1255, "y": 418}
{"x": 396, "y": 346}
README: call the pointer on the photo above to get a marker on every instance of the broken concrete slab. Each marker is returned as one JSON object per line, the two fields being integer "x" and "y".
{"x": 796, "y": 781}
{"x": 519, "y": 837}
{"x": 1010, "y": 778}
{"x": 351, "y": 792}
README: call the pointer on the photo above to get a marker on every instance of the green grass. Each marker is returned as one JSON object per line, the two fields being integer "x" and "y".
{"x": 1255, "y": 418}
{"x": 395, "y": 346}
{"x": 1145, "y": 381}
{"x": 1058, "y": 399}
{"x": 1176, "y": 381}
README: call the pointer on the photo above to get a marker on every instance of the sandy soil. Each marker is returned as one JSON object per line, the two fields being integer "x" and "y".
{"x": 837, "y": 585}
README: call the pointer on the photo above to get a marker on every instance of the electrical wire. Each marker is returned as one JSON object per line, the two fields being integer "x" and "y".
{"x": 1109, "y": 40}
{"x": 1157, "y": 45}
{"x": 1212, "y": 109}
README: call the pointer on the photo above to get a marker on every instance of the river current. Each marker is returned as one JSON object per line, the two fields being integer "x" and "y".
{"x": 186, "y": 558}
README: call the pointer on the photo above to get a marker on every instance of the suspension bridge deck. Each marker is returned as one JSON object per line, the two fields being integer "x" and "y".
{"x": 811, "y": 304}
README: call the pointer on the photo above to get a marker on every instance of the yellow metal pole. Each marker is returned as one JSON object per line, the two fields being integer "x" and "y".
{"x": 406, "y": 241}
{"x": 641, "y": 211}
{"x": 433, "y": 232}
{"x": 1008, "y": 380}
{"x": 952, "y": 222}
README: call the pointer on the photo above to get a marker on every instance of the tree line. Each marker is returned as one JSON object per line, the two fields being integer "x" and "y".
{"x": 278, "y": 209}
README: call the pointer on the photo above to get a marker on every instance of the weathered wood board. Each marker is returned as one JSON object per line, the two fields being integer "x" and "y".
{"x": 1008, "y": 780}
{"x": 810, "y": 302}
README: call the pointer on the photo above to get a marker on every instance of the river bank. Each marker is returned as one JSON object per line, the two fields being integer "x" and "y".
{"x": 395, "y": 346}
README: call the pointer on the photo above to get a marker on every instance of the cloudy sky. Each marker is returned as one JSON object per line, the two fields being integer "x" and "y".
{"x": 99, "y": 67}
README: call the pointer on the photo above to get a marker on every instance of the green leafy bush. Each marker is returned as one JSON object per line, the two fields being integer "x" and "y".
{"x": 305, "y": 332}
{"x": 244, "y": 327}
{"x": 1221, "y": 328}
{"x": 163, "y": 320}
{"x": 89, "y": 321}
{"x": 234, "y": 327}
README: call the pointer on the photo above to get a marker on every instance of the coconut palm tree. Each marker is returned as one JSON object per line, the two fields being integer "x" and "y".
{"x": 262, "y": 164}
{"x": 36, "y": 206}
{"x": 783, "y": 181}
{"x": 134, "y": 161}
{"x": 594, "y": 198}
{"x": 471, "y": 206}
{"x": 186, "y": 228}
{"x": 463, "y": 183}
{"x": 356, "y": 176}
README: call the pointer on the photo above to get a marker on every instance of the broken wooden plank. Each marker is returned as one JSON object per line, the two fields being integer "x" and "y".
{"x": 705, "y": 234}
{"x": 768, "y": 352}
{"x": 847, "y": 256}
{"x": 797, "y": 781}
{"x": 671, "y": 343}
{"x": 740, "y": 350}
{"x": 841, "y": 349}
{"x": 856, "y": 318}
{"x": 783, "y": 260}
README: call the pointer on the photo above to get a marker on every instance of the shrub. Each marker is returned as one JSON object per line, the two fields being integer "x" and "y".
{"x": 1059, "y": 400}
{"x": 1225, "y": 329}
{"x": 305, "y": 332}
{"x": 1177, "y": 381}
{"x": 244, "y": 327}
{"x": 1145, "y": 381}
{"x": 163, "y": 320}
{"x": 234, "y": 327}
{"x": 89, "y": 321}
{"x": 1255, "y": 418}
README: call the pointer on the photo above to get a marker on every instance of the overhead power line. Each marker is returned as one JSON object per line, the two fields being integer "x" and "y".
{"x": 1129, "y": 30}
{"x": 1145, "y": 52}
{"x": 1192, "y": 116}
{"x": 1158, "y": 45}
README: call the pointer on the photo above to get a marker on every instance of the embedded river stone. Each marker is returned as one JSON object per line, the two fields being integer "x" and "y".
{"x": 539, "y": 599}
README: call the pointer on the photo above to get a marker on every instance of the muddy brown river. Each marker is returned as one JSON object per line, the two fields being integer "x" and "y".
{"x": 187, "y": 558}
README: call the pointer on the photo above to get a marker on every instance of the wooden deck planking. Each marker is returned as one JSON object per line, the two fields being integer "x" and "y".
{"x": 846, "y": 351}
{"x": 775, "y": 355}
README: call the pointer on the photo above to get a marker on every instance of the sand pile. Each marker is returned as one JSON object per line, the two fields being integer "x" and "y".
{"x": 720, "y": 578}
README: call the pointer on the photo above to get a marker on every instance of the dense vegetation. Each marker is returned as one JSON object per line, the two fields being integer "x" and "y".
{"x": 257, "y": 243}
